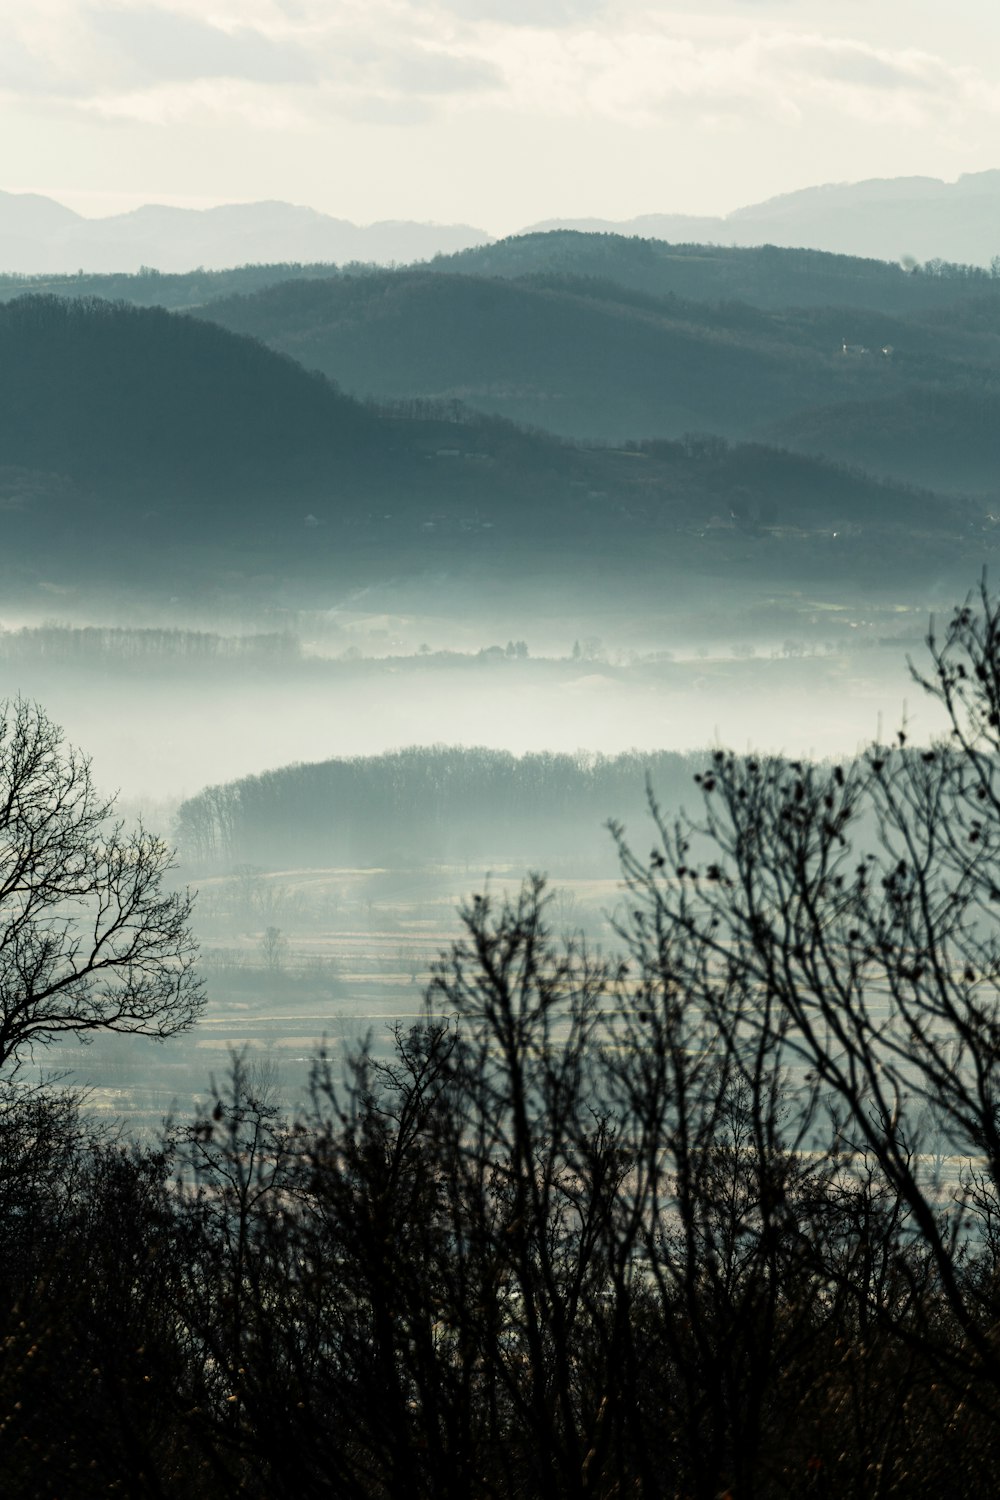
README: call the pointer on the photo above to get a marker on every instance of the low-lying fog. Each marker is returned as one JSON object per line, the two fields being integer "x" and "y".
{"x": 342, "y": 947}
{"x": 158, "y": 732}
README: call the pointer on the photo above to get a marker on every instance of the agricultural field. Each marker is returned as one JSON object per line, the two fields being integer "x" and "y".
{"x": 297, "y": 960}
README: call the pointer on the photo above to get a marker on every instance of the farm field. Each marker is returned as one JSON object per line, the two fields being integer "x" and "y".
{"x": 303, "y": 959}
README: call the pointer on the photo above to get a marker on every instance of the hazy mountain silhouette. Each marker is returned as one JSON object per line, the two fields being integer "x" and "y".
{"x": 889, "y": 218}
{"x": 40, "y": 235}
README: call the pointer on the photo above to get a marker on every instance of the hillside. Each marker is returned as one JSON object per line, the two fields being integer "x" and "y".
{"x": 588, "y": 359}
{"x": 767, "y": 276}
{"x": 115, "y": 396}
{"x": 941, "y": 438}
{"x": 144, "y": 446}
{"x": 136, "y": 434}
{"x": 179, "y": 291}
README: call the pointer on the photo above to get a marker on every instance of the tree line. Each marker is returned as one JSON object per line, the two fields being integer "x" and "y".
{"x": 422, "y": 803}
{"x": 764, "y": 275}
{"x": 121, "y": 645}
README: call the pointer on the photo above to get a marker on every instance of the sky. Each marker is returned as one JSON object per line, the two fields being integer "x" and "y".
{"x": 495, "y": 113}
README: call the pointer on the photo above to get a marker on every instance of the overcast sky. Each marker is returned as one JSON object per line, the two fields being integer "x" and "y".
{"x": 496, "y": 113}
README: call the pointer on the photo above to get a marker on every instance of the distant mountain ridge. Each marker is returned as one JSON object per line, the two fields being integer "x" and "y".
{"x": 38, "y": 234}
{"x": 762, "y": 276}
{"x": 888, "y": 218}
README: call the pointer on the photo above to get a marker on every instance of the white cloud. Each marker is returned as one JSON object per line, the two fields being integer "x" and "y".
{"x": 632, "y": 63}
{"x": 648, "y": 75}
{"x": 427, "y": 72}
{"x": 386, "y": 60}
{"x": 21, "y": 70}
{"x": 535, "y": 13}
{"x": 158, "y": 44}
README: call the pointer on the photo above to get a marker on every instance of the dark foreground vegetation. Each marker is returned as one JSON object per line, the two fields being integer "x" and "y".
{"x": 719, "y": 1216}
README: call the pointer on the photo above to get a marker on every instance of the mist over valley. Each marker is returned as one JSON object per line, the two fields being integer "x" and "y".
{"x": 499, "y": 750}
{"x": 442, "y": 564}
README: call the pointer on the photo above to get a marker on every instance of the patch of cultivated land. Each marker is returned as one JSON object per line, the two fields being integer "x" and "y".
{"x": 352, "y": 953}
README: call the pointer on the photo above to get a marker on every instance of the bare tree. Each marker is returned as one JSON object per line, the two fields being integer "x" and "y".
{"x": 846, "y": 919}
{"x": 273, "y": 949}
{"x": 89, "y": 938}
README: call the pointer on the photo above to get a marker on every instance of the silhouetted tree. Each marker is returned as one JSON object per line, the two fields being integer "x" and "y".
{"x": 89, "y": 938}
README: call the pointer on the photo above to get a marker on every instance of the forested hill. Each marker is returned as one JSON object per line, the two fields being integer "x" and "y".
{"x": 932, "y": 436}
{"x": 177, "y": 290}
{"x": 135, "y": 406}
{"x": 586, "y": 336}
{"x": 766, "y": 276}
{"x": 139, "y": 439}
{"x": 425, "y": 804}
{"x": 580, "y": 359}
{"x": 112, "y": 395}
{"x": 137, "y": 444}
{"x": 589, "y": 359}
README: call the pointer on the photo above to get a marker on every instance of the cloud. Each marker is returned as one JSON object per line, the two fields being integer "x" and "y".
{"x": 881, "y": 85}
{"x": 206, "y": 102}
{"x": 861, "y": 66}
{"x": 21, "y": 70}
{"x": 440, "y": 73}
{"x": 722, "y": 63}
{"x": 271, "y": 63}
{"x": 163, "y": 45}
{"x": 541, "y": 14}
{"x": 661, "y": 70}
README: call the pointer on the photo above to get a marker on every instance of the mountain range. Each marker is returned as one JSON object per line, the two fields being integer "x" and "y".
{"x": 612, "y": 410}
{"x": 597, "y": 337}
{"x": 39, "y": 235}
{"x": 766, "y": 276}
{"x": 592, "y": 360}
{"x": 896, "y": 219}
{"x": 141, "y": 445}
